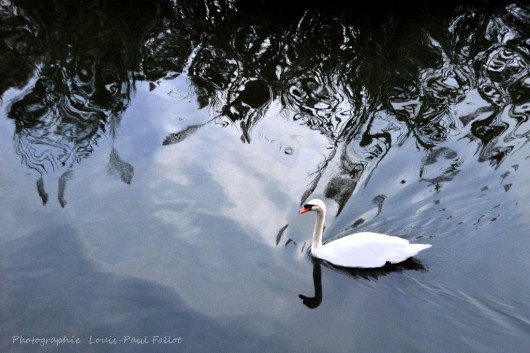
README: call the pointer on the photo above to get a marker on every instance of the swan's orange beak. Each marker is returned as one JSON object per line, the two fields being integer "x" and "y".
{"x": 304, "y": 210}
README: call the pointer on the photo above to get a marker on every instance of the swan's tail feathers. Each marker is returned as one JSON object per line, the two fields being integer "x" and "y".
{"x": 416, "y": 248}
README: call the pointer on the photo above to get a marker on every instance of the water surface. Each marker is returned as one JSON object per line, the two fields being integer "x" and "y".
{"x": 155, "y": 155}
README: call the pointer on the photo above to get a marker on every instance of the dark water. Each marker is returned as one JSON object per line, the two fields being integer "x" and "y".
{"x": 155, "y": 154}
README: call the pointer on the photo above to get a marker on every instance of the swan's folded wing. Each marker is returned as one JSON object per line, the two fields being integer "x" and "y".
{"x": 369, "y": 250}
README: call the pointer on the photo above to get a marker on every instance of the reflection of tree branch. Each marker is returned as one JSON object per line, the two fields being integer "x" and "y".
{"x": 177, "y": 137}
{"x": 62, "y": 186}
{"x": 118, "y": 167}
{"x": 41, "y": 191}
{"x": 280, "y": 233}
{"x": 318, "y": 175}
{"x": 82, "y": 87}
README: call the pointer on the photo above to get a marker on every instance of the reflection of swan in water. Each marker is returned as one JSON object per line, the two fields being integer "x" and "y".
{"x": 314, "y": 301}
{"x": 359, "y": 250}
{"x": 366, "y": 273}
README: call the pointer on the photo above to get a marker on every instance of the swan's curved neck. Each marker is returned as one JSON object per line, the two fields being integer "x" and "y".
{"x": 319, "y": 228}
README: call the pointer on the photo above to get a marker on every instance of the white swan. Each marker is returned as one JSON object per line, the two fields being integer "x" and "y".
{"x": 359, "y": 250}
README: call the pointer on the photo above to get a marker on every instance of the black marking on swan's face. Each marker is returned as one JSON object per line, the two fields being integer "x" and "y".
{"x": 313, "y": 205}
{"x": 306, "y": 208}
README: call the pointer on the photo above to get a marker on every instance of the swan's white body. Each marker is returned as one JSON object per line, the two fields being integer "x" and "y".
{"x": 359, "y": 250}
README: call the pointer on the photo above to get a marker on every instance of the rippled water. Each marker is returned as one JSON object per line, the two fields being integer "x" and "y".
{"x": 155, "y": 155}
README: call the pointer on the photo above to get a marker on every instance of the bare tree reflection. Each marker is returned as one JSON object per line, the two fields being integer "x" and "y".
{"x": 83, "y": 84}
{"x": 366, "y": 86}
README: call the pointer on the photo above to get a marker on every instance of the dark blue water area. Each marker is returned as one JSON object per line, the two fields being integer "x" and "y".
{"x": 154, "y": 207}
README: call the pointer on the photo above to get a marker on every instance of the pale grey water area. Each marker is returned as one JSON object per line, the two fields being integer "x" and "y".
{"x": 155, "y": 155}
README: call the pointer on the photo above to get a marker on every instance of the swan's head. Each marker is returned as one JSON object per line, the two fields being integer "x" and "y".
{"x": 314, "y": 205}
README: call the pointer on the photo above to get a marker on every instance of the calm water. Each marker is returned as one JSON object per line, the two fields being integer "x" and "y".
{"x": 155, "y": 155}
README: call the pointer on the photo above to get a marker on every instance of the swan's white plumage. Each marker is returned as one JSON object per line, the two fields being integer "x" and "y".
{"x": 360, "y": 250}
